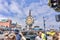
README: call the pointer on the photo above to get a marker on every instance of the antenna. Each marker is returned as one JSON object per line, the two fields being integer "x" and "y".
{"x": 29, "y": 12}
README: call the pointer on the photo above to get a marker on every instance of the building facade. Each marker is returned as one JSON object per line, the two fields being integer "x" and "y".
{"x": 5, "y": 23}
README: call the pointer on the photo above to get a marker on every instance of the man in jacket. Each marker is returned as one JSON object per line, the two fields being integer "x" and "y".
{"x": 18, "y": 36}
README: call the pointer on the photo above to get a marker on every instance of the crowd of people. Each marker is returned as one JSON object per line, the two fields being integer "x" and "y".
{"x": 12, "y": 35}
{"x": 15, "y": 35}
{"x": 51, "y": 36}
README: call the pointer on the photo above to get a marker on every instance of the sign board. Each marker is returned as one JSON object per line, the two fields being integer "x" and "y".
{"x": 29, "y": 20}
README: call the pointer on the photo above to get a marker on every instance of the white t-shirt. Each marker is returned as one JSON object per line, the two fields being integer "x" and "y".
{"x": 23, "y": 38}
{"x": 38, "y": 38}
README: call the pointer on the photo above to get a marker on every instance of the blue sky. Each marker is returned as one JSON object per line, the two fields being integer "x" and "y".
{"x": 18, "y": 10}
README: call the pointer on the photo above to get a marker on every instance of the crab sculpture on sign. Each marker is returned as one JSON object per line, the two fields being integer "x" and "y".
{"x": 29, "y": 20}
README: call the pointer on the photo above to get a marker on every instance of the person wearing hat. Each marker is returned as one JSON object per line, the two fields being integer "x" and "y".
{"x": 18, "y": 36}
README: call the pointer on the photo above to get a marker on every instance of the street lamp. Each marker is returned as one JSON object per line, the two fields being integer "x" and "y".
{"x": 44, "y": 23}
{"x": 59, "y": 28}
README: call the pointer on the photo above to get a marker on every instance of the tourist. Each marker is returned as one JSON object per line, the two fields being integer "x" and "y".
{"x": 12, "y": 36}
{"x": 41, "y": 36}
{"x": 18, "y": 36}
{"x": 6, "y": 36}
{"x": 58, "y": 35}
{"x": 55, "y": 36}
{"x": 22, "y": 34}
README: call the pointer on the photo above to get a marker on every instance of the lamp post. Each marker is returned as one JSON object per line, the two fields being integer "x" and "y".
{"x": 59, "y": 28}
{"x": 44, "y": 23}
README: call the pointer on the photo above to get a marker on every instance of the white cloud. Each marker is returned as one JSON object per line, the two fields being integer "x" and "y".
{"x": 14, "y": 7}
{"x": 37, "y": 10}
{"x": 4, "y": 7}
{"x": 44, "y": 10}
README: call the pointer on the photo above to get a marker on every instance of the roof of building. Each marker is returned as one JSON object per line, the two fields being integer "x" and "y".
{"x": 4, "y": 20}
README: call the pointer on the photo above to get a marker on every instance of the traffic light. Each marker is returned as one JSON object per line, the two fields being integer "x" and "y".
{"x": 53, "y": 3}
{"x": 57, "y": 18}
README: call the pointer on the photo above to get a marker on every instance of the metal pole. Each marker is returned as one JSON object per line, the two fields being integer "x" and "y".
{"x": 59, "y": 28}
{"x": 44, "y": 24}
